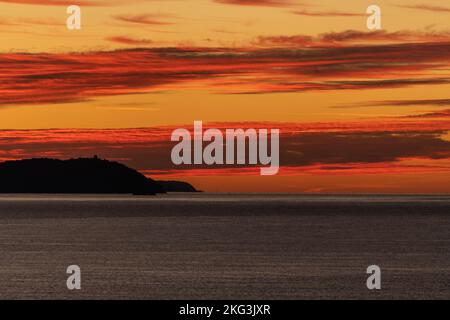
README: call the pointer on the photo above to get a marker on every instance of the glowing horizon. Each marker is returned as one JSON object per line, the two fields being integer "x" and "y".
{"x": 359, "y": 110}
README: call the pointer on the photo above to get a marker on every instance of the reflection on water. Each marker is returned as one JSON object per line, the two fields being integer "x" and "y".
{"x": 232, "y": 197}
{"x": 224, "y": 246}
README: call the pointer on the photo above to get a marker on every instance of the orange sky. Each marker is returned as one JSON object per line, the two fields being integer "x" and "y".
{"x": 311, "y": 68}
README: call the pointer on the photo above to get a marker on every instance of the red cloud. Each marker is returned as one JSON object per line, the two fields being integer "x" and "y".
{"x": 354, "y": 36}
{"x": 146, "y": 19}
{"x": 55, "y": 78}
{"x": 327, "y": 13}
{"x": 332, "y": 147}
{"x": 85, "y": 3}
{"x": 266, "y": 3}
{"x": 130, "y": 41}
{"x": 426, "y": 7}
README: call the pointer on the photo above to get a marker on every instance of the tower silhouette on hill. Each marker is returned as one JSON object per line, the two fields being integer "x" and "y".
{"x": 83, "y": 175}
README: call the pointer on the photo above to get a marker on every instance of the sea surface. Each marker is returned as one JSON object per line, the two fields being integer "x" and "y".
{"x": 224, "y": 246}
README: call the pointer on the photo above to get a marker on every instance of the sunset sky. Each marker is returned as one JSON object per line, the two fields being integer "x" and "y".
{"x": 358, "y": 110}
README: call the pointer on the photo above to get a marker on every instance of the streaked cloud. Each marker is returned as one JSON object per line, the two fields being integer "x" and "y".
{"x": 35, "y": 78}
{"x": 309, "y": 13}
{"x": 398, "y": 103}
{"x": 85, "y": 3}
{"x": 265, "y": 3}
{"x": 143, "y": 19}
{"x": 23, "y": 21}
{"x": 325, "y": 147}
{"x": 353, "y": 37}
{"x": 130, "y": 41}
{"x": 426, "y": 7}
{"x": 436, "y": 114}
{"x": 419, "y": 102}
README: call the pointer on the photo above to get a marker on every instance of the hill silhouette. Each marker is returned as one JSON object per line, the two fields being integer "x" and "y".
{"x": 176, "y": 186}
{"x": 84, "y": 175}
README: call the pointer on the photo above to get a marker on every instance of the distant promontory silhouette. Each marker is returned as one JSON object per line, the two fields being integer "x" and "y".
{"x": 176, "y": 186}
{"x": 83, "y": 175}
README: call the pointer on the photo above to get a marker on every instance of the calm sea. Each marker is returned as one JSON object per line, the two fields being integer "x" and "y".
{"x": 225, "y": 246}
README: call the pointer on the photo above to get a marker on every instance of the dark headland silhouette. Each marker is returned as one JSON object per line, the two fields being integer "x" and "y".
{"x": 176, "y": 186}
{"x": 83, "y": 175}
